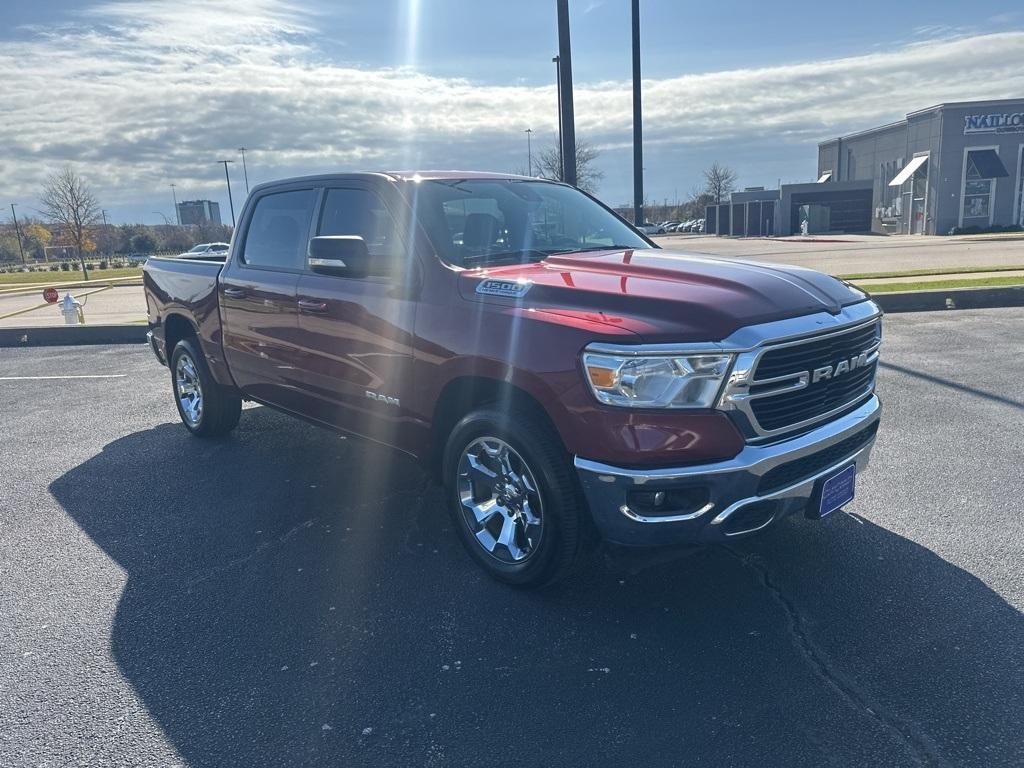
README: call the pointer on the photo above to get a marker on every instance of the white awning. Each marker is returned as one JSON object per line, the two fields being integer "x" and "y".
{"x": 825, "y": 177}
{"x": 908, "y": 170}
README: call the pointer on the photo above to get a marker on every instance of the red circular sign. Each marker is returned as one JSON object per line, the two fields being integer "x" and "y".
{"x": 50, "y": 295}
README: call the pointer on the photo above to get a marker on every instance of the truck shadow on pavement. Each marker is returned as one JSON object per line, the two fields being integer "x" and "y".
{"x": 297, "y": 598}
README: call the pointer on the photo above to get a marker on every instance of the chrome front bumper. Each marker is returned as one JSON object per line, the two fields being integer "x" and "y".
{"x": 743, "y": 494}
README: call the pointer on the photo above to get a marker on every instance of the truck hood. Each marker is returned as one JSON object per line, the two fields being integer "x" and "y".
{"x": 663, "y": 296}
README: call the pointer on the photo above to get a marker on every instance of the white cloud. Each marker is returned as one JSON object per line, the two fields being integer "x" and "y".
{"x": 139, "y": 94}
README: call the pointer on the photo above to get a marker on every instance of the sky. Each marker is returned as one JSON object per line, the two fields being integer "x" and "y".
{"x": 136, "y": 95}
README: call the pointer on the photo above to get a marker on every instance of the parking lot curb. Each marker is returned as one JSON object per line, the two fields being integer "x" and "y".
{"x": 956, "y": 298}
{"x": 63, "y": 335}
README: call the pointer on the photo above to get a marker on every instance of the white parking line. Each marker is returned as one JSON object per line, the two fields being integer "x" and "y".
{"x": 46, "y": 378}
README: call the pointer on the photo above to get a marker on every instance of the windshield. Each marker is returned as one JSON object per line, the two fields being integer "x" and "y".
{"x": 198, "y": 248}
{"x": 483, "y": 222}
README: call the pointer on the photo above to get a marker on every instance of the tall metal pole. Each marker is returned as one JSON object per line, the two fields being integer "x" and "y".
{"x": 529, "y": 152}
{"x": 245, "y": 170}
{"x": 174, "y": 195}
{"x": 638, "y": 141}
{"x": 558, "y": 79}
{"x": 567, "y": 117}
{"x": 17, "y": 229}
{"x": 231, "y": 201}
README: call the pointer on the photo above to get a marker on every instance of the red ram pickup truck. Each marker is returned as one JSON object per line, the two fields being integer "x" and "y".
{"x": 559, "y": 372}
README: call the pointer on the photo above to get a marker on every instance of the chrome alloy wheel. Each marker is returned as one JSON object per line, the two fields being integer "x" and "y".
{"x": 188, "y": 390}
{"x": 500, "y": 501}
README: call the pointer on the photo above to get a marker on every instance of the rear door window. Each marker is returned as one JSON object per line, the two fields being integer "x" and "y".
{"x": 278, "y": 232}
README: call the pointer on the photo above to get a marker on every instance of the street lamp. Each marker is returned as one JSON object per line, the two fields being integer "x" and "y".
{"x": 567, "y": 119}
{"x": 529, "y": 152}
{"x": 245, "y": 170}
{"x": 227, "y": 178}
{"x": 174, "y": 196}
{"x": 558, "y": 81}
{"x": 638, "y": 142}
{"x": 17, "y": 229}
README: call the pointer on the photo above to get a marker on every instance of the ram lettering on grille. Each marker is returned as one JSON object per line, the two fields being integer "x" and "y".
{"x": 844, "y": 366}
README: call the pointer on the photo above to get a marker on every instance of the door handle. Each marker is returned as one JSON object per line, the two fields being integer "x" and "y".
{"x": 235, "y": 293}
{"x": 310, "y": 306}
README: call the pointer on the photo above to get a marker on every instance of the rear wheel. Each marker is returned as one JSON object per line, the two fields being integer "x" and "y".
{"x": 512, "y": 497}
{"x": 206, "y": 408}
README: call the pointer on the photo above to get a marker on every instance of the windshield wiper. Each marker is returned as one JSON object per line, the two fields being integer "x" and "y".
{"x": 525, "y": 255}
{"x": 615, "y": 248}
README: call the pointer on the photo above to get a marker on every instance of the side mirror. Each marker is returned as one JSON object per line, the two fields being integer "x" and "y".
{"x": 344, "y": 255}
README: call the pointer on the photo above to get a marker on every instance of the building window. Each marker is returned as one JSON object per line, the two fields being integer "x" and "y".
{"x": 977, "y": 195}
{"x": 982, "y": 167}
{"x": 977, "y": 191}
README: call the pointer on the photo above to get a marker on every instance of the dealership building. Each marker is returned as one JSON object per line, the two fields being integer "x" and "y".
{"x": 952, "y": 166}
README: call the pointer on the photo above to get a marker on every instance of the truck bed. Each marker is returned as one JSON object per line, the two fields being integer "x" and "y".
{"x": 183, "y": 289}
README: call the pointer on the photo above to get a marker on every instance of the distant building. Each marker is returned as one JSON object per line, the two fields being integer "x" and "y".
{"x": 953, "y": 166}
{"x": 198, "y": 212}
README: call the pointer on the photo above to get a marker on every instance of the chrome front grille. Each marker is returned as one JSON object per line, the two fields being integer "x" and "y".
{"x": 784, "y": 387}
{"x": 823, "y": 394}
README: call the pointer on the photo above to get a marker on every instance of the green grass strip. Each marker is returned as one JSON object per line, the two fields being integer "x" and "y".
{"x": 18, "y": 278}
{"x": 925, "y": 272}
{"x": 927, "y": 285}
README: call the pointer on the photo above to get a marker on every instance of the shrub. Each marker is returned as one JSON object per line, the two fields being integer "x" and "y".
{"x": 103, "y": 264}
{"x": 976, "y": 230}
{"x": 65, "y": 267}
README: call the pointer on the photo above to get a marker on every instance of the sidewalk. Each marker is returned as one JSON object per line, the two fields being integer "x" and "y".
{"x": 104, "y": 305}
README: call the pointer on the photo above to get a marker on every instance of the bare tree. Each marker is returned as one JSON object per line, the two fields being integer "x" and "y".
{"x": 68, "y": 201}
{"x": 549, "y": 163}
{"x": 697, "y": 203}
{"x": 719, "y": 181}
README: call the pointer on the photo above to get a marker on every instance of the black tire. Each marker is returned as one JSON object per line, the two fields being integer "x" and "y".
{"x": 219, "y": 407}
{"x": 559, "y": 545}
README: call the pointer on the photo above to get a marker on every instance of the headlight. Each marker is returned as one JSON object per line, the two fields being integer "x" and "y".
{"x": 684, "y": 381}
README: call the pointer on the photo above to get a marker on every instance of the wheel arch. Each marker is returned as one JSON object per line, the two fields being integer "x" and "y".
{"x": 465, "y": 394}
{"x": 177, "y": 327}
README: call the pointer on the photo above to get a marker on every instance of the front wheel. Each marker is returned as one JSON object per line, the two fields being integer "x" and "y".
{"x": 512, "y": 497}
{"x": 206, "y": 408}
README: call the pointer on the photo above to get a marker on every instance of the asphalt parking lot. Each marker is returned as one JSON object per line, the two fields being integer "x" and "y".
{"x": 290, "y": 597}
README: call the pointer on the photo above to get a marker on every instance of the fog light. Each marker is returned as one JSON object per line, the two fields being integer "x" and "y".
{"x": 671, "y": 501}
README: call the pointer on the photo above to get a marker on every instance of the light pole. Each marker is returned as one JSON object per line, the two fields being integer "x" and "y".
{"x": 227, "y": 178}
{"x": 174, "y": 196}
{"x": 638, "y": 146}
{"x": 558, "y": 80}
{"x": 245, "y": 171}
{"x": 17, "y": 229}
{"x": 566, "y": 116}
{"x": 529, "y": 152}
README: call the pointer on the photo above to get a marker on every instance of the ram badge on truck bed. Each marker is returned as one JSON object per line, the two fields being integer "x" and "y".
{"x": 557, "y": 370}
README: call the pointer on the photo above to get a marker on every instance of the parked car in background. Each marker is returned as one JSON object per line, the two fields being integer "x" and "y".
{"x": 651, "y": 229}
{"x": 205, "y": 249}
{"x": 558, "y": 384}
